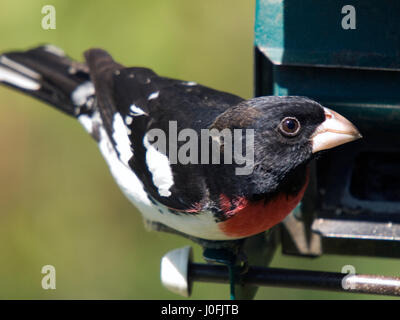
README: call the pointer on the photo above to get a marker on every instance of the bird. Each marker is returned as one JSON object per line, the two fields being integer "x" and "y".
{"x": 123, "y": 109}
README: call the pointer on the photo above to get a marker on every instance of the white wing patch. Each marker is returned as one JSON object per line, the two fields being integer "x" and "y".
{"x": 123, "y": 175}
{"x": 120, "y": 136}
{"x": 86, "y": 122}
{"x": 159, "y": 166}
{"x": 154, "y": 95}
{"x": 136, "y": 111}
{"x": 82, "y": 93}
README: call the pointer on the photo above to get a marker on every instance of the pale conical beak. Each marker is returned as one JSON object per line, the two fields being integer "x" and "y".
{"x": 333, "y": 132}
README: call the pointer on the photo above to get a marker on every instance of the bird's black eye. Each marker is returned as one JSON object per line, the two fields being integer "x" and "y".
{"x": 289, "y": 126}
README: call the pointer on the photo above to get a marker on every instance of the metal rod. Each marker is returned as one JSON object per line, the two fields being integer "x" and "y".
{"x": 259, "y": 276}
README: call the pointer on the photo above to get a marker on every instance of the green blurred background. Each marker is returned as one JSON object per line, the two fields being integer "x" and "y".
{"x": 58, "y": 203}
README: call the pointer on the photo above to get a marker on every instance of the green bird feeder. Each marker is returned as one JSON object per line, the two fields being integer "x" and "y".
{"x": 345, "y": 55}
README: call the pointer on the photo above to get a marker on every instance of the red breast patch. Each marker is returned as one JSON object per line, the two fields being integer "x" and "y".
{"x": 249, "y": 218}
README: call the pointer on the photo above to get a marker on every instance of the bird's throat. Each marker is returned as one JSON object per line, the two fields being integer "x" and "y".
{"x": 246, "y": 218}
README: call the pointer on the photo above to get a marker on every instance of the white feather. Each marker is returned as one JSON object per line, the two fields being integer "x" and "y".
{"x": 154, "y": 95}
{"x": 81, "y": 94}
{"x": 18, "y": 80}
{"x": 19, "y": 68}
{"x": 136, "y": 111}
{"x": 54, "y": 50}
{"x": 190, "y": 83}
{"x": 121, "y": 138}
{"x": 86, "y": 122}
{"x": 159, "y": 166}
{"x": 128, "y": 120}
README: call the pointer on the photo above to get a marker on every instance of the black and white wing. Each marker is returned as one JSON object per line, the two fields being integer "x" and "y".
{"x": 133, "y": 101}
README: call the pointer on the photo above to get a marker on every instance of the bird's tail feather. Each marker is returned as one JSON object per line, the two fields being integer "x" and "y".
{"x": 49, "y": 75}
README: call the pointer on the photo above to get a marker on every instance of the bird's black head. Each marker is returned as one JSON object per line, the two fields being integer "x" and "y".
{"x": 288, "y": 131}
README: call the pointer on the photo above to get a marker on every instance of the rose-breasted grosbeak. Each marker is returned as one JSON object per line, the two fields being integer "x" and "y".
{"x": 119, "y": 106}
